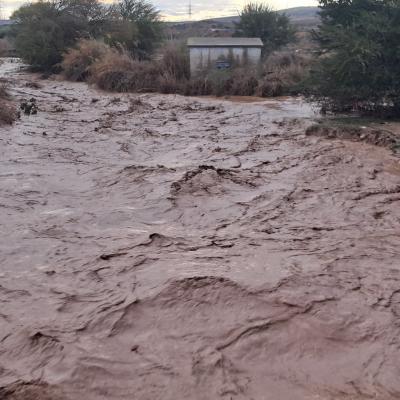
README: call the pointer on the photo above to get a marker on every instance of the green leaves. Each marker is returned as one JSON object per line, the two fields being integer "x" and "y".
{"x": 259, "y": 20}
{"x": 136, "y": 26}
{"x": 44, "y": 30}
{"x": 360, "y": 40}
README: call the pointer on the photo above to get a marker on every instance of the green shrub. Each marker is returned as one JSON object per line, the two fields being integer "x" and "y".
{"x": 259, "y": 20}
{"x": 359, "y": 66}
{"x": 44, "y": 30}
{"x": 135, "y": 25}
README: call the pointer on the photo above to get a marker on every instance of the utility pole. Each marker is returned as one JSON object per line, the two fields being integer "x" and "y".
{"x": 190, "y": 9}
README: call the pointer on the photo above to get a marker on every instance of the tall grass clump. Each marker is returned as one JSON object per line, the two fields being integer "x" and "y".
{"x": 118, "y": 72}
{"x": 284, "y": 73}
{"x": 4, "y": 47}
{"x": 8, "y": 113}
{"x": 77, "y": 61}
{"x": 235, "y": 82}
{"x": 175, "y": 61}
{"x": 113, "y": 69}
{"x": 174, "y": 69}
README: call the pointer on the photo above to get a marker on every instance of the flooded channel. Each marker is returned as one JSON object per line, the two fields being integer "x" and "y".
{"x": 163, "y": 247}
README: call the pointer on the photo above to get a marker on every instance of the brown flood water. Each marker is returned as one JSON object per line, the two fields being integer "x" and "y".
{"x": 162, "y": 247}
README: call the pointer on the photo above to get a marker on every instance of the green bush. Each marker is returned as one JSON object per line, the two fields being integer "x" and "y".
{"x": 359, "y": 66}
{"x": 259, "y": 20}
{"x": 135, "y": 25}
{"x": 44, "y": 30}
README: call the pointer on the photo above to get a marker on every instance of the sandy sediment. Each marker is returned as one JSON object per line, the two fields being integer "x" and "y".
{"x": 162, "y": 247}
{"x": 389, "y": 138}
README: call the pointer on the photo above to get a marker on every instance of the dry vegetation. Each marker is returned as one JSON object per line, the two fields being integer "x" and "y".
{"x": 358, "y": 130}
{"x": 4, "y": 47}
{"x": 115, "y": 70}
{"x": 284, "y": 73}
{"x": 8, "y": 113}
{"x": 120, "y": 73}
{"x": 78, "y": 61}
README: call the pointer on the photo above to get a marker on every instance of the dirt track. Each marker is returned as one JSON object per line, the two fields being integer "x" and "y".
{"x": 161, "y": 247}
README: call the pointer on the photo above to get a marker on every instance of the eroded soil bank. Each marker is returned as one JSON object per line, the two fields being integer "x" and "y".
{"x": 161, "y": 247}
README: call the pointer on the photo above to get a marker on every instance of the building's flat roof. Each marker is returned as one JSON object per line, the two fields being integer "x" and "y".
{"x": 224, "y": 42}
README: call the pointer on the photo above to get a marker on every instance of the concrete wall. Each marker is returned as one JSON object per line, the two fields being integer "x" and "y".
{"x": 203, "y": 57}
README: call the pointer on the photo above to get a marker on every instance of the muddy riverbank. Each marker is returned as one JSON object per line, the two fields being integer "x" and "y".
{"x": 162, "y": 247}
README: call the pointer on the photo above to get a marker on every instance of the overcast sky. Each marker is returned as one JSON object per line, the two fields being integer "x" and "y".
{"x": 178, "y": 9}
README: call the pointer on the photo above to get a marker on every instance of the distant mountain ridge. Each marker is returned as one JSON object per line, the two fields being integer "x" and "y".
{"x": 296, "y": 14}
{"x": 301, "y": 12}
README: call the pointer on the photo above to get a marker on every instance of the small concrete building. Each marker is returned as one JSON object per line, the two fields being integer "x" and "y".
{"x": 221, "y": 53}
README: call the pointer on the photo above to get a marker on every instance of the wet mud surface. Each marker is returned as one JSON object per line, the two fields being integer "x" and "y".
{"x": 161, "y": 247}
{"x": 389, "y": 137}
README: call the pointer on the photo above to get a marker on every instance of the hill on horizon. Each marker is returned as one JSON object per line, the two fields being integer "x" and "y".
{"x": 305, "y": 19}
{"x": 294, "y": 13}
{"x": 298, "y": 15}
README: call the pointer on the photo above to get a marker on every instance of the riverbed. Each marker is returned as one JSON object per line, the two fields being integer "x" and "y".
{"x": 167, "y": 247}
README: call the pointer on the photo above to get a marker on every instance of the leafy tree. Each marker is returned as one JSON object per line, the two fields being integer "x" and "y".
{"x": 91, "y": 13}
{"x": 44, "y": 30}
{"x": 39, "y": 35}
{"x": 137, "y": 27}
{"x": 259, "y": 20}
{"x": 359, "y": 66}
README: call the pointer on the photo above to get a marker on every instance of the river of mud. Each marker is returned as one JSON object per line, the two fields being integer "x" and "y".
{"x": 162, "y": 247}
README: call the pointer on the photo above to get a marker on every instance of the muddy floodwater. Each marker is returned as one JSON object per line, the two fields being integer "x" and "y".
{"x": 162, "y": 247}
